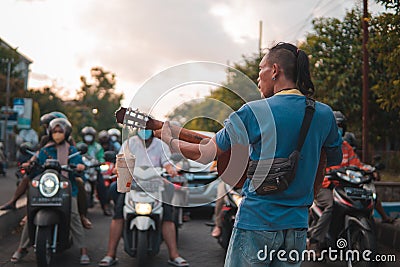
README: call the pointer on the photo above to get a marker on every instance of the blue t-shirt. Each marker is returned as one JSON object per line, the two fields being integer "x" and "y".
{"x": 51, "y": 152}
{"x": 271, "y": 128}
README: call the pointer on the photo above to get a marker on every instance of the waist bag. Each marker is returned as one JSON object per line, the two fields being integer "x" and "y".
{"x": 275, "y": 175}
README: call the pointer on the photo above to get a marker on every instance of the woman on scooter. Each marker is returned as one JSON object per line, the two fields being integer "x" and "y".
{"x": 58, "y": 148}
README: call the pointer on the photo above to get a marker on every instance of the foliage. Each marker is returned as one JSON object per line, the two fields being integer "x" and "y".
{"x": 45, "y": 101}
{"x": 233, "y": 94}
{"x": 390, "y": 4}
{"x": 99, "y": 94}
{"x": 335, "y": 50}
{"x": 98, "y": 100}
{"x": 384, "y": 49}
{"x": 16, "y": 84}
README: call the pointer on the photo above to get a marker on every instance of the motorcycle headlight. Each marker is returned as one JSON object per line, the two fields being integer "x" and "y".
{"x": 237, "y": 199}
{"x": 143, "y": 208}
{"x": 49, "y": 184}
{"x": 104, "y": 167}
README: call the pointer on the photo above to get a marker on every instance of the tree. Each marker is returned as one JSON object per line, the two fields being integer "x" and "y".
{"x": 385, "y": 57}
{"x": 233, "y": 93}
{"x": 45, "y": 101}
{"x": 336, "y": 60}
{"x": 98, "y": 100}
{"x": 390, "y": 4}
{"x": 16, "y": 81}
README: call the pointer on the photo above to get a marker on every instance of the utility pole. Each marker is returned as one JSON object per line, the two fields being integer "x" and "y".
{"x": 365, "y": 97}
{"x": 6, "y": 145}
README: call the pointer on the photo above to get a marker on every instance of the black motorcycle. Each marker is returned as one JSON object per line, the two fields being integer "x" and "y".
{"x": 26, "y": 151}
{"x": 230, "y": 207}
{"x": 352, "y": 226}
{"x": 49, "y": 211}
{"x": 2, "y": 160}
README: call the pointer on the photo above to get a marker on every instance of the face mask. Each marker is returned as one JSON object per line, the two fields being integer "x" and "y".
{"x": 145, "y": 134}
{"x": 58, "y": 137}
{"x": 113, "y": 138}
{"x": 88, "y": 138}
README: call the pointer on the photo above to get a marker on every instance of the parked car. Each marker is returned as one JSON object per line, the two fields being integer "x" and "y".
{"x": 202, "y": 181}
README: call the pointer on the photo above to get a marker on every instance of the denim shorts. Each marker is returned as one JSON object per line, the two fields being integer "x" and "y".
{"x": 119, "y": 202}
{"x": 266, "y": 248}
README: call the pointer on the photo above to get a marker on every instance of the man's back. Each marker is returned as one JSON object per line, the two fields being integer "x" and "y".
{"x": 273, "y": 128}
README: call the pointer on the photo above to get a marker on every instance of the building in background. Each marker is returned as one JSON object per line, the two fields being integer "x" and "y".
{"x": 22, "y": 65}
{"x": 14, "y": 75}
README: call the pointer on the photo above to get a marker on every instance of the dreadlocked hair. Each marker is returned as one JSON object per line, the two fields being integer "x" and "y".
{"x": 296, "y": 65}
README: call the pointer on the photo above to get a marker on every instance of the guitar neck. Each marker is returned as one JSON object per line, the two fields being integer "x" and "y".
{"x": 178, "y": 132}
{"x": 134, "y": 118}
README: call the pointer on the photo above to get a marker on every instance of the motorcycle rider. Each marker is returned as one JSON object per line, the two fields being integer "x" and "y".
{"x": 324, "y": 199}
{"x": 23, "y": 185}
{"x": 105, "y": 141}
{"x": 96, "y": 151}
{"x": 115, "y": 137}
{"x": 58, "y": 148}
{"x": 149, "y": 151}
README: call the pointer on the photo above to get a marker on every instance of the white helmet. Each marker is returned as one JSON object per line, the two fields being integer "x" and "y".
{"x": 115, "y": 132}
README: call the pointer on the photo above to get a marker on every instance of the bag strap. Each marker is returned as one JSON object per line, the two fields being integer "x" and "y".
{"x": 308, "y": 115}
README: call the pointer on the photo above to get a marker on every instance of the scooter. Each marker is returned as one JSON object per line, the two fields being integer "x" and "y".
{"x": 352, "y": 226}
{"x": 107, "y": 168}
{"x": 2, "y": 160}
{"x": 228, "y": 215}
{"x": 26, "y": 152}
{"x": 49, "y": 211}
{"x": 180, "y": 198}
{"x": 143, "y": 213}
{"x": 90, "y": 177}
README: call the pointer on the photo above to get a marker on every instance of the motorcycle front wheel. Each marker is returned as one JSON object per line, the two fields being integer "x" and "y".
{"x": 363, "y": 240}
{"x": 141, "y": 248}
{"x": 44, "y": 251}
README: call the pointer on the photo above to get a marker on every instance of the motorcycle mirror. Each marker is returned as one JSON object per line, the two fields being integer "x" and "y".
{"x": 83, "y": 148}
{"x": 25, "y": 148}
{"x": 380, "y": 166}
{"x": 377, "y": 158}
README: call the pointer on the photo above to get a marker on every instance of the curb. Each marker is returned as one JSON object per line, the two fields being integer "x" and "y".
{"x": 10, "y": 219}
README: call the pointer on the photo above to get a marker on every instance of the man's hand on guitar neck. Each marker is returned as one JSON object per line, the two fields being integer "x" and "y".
{"x": 203, "y": 150}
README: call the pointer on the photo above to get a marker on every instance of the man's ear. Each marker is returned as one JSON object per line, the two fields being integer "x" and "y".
{"x": 275, "y": 70}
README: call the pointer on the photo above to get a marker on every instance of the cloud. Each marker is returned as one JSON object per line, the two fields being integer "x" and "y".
{"x": 139, "y": 38}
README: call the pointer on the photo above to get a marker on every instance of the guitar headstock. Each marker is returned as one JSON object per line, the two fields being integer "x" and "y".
{"x": 132, "y": 117}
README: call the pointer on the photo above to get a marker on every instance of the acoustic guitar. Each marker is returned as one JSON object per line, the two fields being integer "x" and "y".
{"x": 231, "y": 164}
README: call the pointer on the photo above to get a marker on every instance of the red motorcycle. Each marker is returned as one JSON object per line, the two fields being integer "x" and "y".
{"x": 107, "y": 168}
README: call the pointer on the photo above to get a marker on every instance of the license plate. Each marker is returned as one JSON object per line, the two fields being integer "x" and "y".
{"x": 43, "y": 201}
{"x": 149, "y": 186}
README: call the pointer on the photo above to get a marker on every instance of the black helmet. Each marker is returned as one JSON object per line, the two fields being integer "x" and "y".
{"x": 103, "y": 136}
{"x": 351, "y": 139}
{"x": 63, "y": 123}
{"x": 88, "y": 130}
{"x": 46, "y": 119}
{"x": 340, "y": 120}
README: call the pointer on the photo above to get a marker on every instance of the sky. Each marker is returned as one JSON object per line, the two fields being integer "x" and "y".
{"x": 138, "y": 39}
